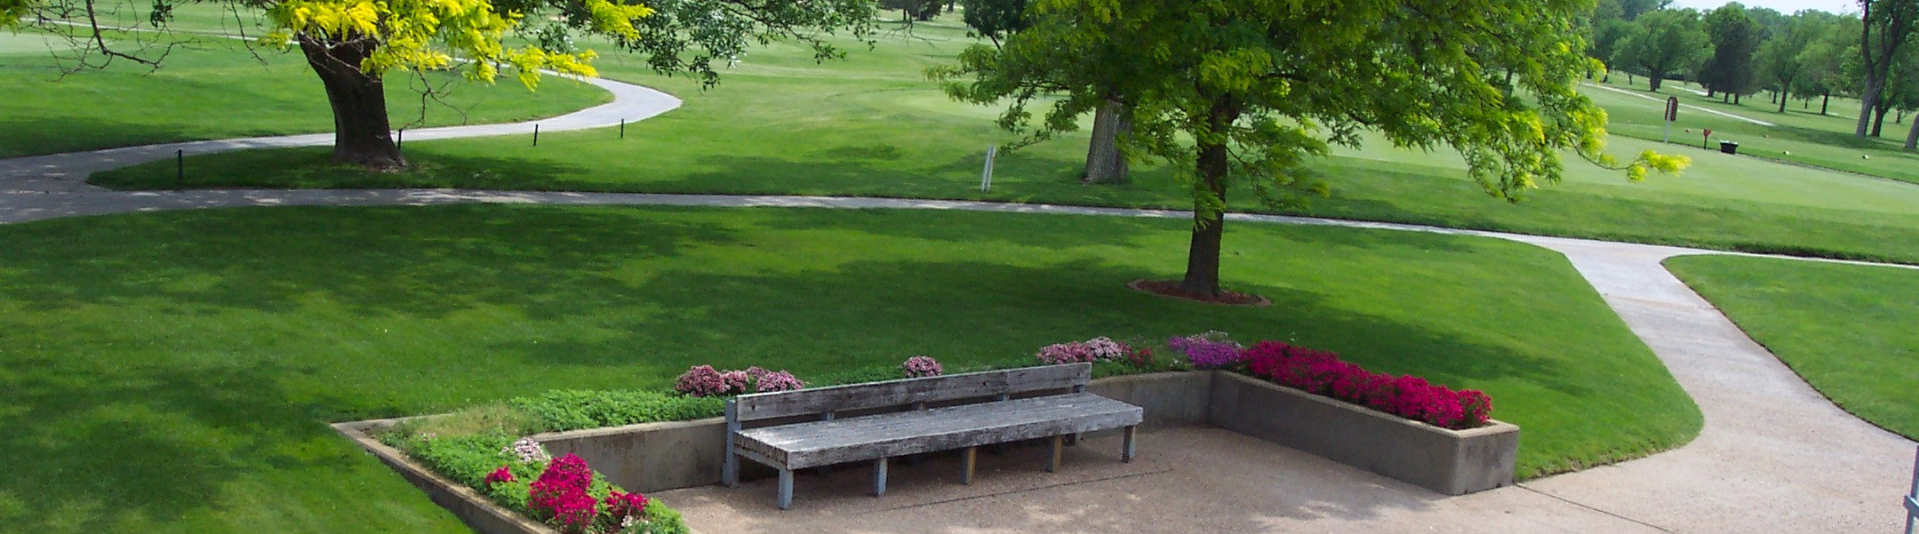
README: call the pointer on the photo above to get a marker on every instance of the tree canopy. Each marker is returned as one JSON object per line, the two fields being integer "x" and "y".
{"x": 1663, "y": 43}
{"x": 1735, "y": 37}
{"x": 1243, "y": 91}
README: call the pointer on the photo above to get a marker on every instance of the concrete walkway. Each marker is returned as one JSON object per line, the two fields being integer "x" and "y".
{"x": 1774, "y": 456}
{"x": 67, "y": 173}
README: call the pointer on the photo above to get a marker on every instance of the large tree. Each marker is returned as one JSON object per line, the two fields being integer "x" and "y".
{"x": 1735, "y": 37}
{"x": 1243, "y": 91}
{"x": 1663, "y": 43}
{"x": 352, "y": 45}
{"x": 1779, "y": 59}
{"x": 1886, "y": 25}
{"x": 1106, "y": 163}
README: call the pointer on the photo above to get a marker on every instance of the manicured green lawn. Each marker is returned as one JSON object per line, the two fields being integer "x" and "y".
{"x": 1847, "y": 329}
{"x": 1799, "y": 135}
{"x": 170, "y": 372}
{"x": 217, "y": 90}
{"x": 871, "y": 125}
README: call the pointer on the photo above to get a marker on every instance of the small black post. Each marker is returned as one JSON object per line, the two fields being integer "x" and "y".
{"x": 399, "y": 142}
{"x": 180, "y": 166}
{"x": 622, "y": 128}
{"x": 536, "y": 134}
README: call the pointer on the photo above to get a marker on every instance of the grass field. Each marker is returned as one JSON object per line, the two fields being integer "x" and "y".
{"x": 872, "y": 125}
{"x": 1847, "y": 329}
{"x": 217, "y": 90}
{"x": 1800, "y": 135}
{"x": 171, "y": 372}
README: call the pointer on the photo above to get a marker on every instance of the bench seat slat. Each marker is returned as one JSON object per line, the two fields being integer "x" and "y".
{"x": 820, "y": 443}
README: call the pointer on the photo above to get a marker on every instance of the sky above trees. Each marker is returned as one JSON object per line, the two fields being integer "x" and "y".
{"x": 1783, "y": 6}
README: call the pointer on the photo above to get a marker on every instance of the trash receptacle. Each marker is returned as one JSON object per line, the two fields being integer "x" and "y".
{"x": 1729, "y": 147}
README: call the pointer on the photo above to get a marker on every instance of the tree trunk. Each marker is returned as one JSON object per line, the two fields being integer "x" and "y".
{"x": 1711, "y": 93}
{"x": 1735, "y": 99}
{"x": 1783, "y": 97}
{"x": 1825, "y": 103}
{"x": 1879, "y": 118}
{"x": 1104, "y": 163}
{"x": 361, "y": 134}
{"x": 1202, "y": 257}
{"x": 1656, "y": 78}
{"x": 1912, "y": 135}
{"x": 1868, "y": 102}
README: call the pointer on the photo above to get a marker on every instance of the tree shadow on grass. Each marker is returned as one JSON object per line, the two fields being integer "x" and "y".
{"x": 90, "y": 448}
{"x": 378, "y": 261}
{"x": 160, "y": 437}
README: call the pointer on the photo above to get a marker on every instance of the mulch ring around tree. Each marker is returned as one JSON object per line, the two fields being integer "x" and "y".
{"x": 1170, "y": 289}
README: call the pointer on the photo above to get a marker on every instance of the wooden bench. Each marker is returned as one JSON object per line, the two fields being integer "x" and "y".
{"x": 809, "y": 428}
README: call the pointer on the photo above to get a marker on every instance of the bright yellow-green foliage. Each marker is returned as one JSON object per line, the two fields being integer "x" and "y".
{"x": 429, "y": 34}
{"x": 11, "y": 11}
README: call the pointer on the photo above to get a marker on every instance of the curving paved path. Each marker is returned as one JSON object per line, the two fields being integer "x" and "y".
{"x": 67, "y": 173}
{"x": 1774, "y": 456}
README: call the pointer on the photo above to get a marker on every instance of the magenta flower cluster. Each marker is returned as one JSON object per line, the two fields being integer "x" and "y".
{"x": 625, "y": 509}
{"x": 1091, "y": 350}
{"x": 705, "y": 381}
{"x": 1211, "y": 350}
{"x": 1412, "y": 397}
{"x": 560, "y": 495}
{"x": 499, "y": 476}
{"x": 921, "y": 367}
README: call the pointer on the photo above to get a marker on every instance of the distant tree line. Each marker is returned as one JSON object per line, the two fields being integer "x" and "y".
{"x": 1736, "y": 52}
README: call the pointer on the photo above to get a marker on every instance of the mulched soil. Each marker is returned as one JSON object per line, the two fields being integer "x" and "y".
{"x": 1170, "y": 288}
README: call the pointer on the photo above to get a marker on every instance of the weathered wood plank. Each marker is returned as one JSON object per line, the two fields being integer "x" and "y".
{"x": 889, "y": 435}
{"x": 911, "y": 391}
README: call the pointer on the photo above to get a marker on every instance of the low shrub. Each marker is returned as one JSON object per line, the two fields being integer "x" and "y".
{"x": 1322, "y": 373}
{"x": 921, "y": 367}
{"x": 1098, "y": 349}
{"x": 705, "y": 381}
{"x": 1211, "y": 350}
{"x": 564, "y": 410}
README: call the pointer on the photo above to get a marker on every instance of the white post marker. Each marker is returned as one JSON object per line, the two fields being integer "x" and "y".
{"x": 1672, "y": 114}
{"x": 986, "y": 178}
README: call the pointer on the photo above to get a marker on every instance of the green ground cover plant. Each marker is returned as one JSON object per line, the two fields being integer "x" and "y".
{"x": 1846, "y": 329}
{"x": 225, "y": 340}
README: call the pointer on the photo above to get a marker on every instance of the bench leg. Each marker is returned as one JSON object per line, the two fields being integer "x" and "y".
{"x": 730, "y": 469}
{"x": 879, "y": 477}
{"x": 1059, "y": 446}
{"x": 1126, "y": 452}
{"x": 972, "y": 460}
{"x": 786, "y": 488}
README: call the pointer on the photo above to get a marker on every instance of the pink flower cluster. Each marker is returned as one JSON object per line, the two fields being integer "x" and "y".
{"x": 1091, "y": 350}
{"x": 705, "y": 381}
{"x": 560, "y": 495}
{"x": 499, "y": 476}
{"x": 921, "y": 367}
{"x": 626, "y": 509}
{"x": 1322, "y": 373}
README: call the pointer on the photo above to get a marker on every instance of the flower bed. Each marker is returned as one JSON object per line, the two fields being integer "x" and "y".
{"x": 518, "y": 475}
{"x": 1411, "y": 397}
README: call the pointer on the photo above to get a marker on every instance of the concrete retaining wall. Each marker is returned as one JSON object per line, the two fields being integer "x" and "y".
{"x": 1453, "y": 462}
{"x": 657, "y": 457}
{"x": 476, "y": 510}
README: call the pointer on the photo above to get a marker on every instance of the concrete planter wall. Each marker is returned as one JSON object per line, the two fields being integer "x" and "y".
{"x": 476, "y": 510}
{"x": 657, "y": 457}
{"x": 1453, "y": 462}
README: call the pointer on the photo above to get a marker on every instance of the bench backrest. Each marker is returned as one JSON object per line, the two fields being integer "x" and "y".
{"x": 908, "y": 391}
